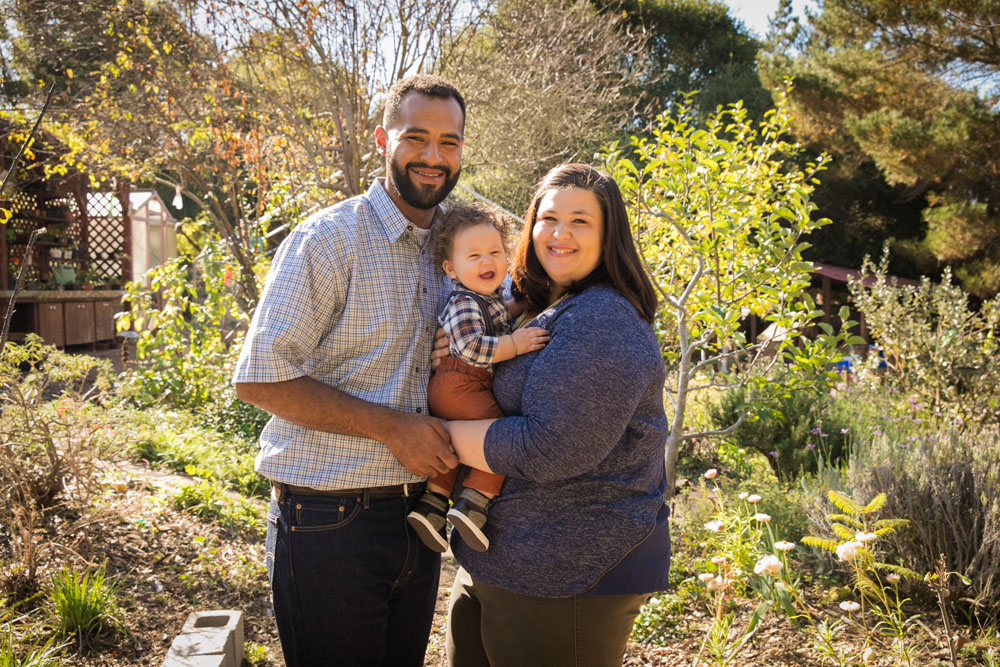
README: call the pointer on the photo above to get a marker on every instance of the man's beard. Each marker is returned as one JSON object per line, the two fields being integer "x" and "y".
{"x": 422, "y": 197}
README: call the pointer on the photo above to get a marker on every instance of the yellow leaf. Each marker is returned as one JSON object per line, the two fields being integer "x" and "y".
{"x": 69, "y": 73}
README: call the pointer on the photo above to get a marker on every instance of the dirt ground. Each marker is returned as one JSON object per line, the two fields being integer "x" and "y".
{"x": 171, "y": 563}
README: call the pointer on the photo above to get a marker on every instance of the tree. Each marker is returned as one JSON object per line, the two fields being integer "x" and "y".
{"x": 545, "y": 83}
{"x": 906, "y": 87}
{"x": 694, "y": 45}
{"x": 719, "y": 216}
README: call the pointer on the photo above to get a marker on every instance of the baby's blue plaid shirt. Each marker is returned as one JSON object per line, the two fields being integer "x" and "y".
{"x": 350, "y": 301}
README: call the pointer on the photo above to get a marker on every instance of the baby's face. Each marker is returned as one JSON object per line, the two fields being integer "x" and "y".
{"x": 477, "y": 258}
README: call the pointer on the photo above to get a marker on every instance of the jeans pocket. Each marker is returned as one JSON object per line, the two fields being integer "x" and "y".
{"x": 324, "y": 514}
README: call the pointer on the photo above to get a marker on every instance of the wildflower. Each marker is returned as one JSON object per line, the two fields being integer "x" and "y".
{"x": 703, "y": 545}
{"x": 768, "y": 565}
{"x": 782, "y": 545}
{"x": 864, "y": 538}
{"x": 753, "y": 498}
{"x": 735, "y": 572}
{"x": 918, "y": 420}
{"x": 711, "y": 473}
{"x": 743, "y": 495}
{"x": 716, "y": 584}
{"x": 849, "y": 606}
{"x": 892, "y": 578}
{"x": 719, "y": 560}
{"x": 715, "y": 526}
{"x": 845, "y": 431}
{"x": 848, "y": 550}
{"x": 706, "y": 576}
{"x": 773, "y": 453}
{"x": 824, "y": 435}
{"x": 815, "y": 431}
{"x": 810, "y": 445}
{"x": 763, "y": 518}
{"x": 913, "y": 401}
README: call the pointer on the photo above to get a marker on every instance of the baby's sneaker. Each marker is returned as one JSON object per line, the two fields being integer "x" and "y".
{"x": 428, "y": 520}
{"x": 468, "y": 516}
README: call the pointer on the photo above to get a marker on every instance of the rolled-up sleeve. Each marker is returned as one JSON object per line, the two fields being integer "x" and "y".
{"x": 304, "y": 295}
{"x": 581, "y": 393}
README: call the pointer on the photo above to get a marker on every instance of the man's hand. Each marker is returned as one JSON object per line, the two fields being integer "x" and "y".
{"x": 420, "y": 444}
{"x": 440, "y": 350}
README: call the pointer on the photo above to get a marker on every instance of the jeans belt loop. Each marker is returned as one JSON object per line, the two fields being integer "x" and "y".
{"x": 406, "y": 489}
{"x": 366, "y": 498}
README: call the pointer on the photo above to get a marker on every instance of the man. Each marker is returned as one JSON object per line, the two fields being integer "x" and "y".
{"x": 339, "y": 353}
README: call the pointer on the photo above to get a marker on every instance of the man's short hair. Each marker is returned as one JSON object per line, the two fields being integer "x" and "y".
{"x": 425, "y": 84}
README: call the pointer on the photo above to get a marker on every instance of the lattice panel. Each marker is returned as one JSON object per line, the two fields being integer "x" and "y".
{"x": 107, "y": 235}
{"x": 18, "y": 229}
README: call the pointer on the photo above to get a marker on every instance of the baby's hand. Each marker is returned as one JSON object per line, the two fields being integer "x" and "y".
{"x": 529, "y": 339}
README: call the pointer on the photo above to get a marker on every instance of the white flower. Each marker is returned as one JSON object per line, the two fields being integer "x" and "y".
{"x": 715, "y": 526}
{"x": 711, "y": 473}
{"x": 743, "y": 495}
{"x": 848, "y": 550}
{"x": 782, "y": 545}
{"x": 735, "y": 573}
{"x": 719, "y": 560}
{"x": 706, "y": 576}
{"x": 892, "y": 578}
{"x": 768, "y": 565}
{"x": 753, "y": 498}
{"x": 763, "y": 518}
{"x": 716, "y": 584}
{"x": 865, "y": 537}
{"x": 849, "y": 606}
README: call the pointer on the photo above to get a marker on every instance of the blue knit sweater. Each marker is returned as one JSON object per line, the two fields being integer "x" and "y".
{"x": 582, "y": 448}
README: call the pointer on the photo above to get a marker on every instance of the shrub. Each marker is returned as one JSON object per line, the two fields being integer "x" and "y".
{"x": 794, "y": 430}
{"x": 56, "y": 423}
{"x": 947, "y": 483}
{"x": 936, "y": 347}
{"x": 84, "y": 603}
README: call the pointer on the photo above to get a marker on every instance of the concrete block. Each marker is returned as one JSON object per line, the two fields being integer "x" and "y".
{"x": 208, "y": 639}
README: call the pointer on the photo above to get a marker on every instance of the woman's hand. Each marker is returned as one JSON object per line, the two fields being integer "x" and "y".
{"x": 440, "y": 350}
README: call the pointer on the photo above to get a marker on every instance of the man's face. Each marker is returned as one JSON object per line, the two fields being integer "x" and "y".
{"x": 423, "y": 150}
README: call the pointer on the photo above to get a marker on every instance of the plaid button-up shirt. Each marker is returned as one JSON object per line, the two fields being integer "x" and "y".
{"x": 462, "y": 320}
{"x": 350, "y": 301}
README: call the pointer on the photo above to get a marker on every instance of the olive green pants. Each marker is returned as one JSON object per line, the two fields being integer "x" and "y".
{"x": 491, "y": 627}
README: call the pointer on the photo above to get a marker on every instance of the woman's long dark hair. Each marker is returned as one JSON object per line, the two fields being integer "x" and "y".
{"x": 620, "y": 266}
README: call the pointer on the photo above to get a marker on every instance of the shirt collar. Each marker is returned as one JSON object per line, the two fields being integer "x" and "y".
{"x": 394, "y": 224}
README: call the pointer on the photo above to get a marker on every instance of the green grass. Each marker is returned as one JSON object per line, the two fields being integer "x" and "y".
{"x": 84, "y": 603}
{"x": 209, "y": 500}
{"x": 14, "y": 654}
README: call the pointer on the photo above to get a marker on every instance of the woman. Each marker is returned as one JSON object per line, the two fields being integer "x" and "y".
{"x": 579, "y": 536}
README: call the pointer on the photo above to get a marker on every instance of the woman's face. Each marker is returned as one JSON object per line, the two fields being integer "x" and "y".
{"x": 568, "y": 234}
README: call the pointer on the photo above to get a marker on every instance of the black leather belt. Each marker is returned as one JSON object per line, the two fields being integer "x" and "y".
{"x": 405, "y": 489}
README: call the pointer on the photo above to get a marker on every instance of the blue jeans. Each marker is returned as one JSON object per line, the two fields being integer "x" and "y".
{"x": 352, "y": 584}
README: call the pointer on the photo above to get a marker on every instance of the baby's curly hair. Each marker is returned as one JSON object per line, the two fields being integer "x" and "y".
{"x": 457, "y": 218}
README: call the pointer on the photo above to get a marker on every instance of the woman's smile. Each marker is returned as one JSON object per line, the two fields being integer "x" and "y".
{"x": 568, "y": 235}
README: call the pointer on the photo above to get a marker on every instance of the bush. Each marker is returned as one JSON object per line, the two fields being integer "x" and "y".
{"x": 210, "y": 501}
{"x": 936, "y": 348}
{"x": 57, "y": 423}
{"x": 794, "y": 431}
{"x": 947, "y": 483}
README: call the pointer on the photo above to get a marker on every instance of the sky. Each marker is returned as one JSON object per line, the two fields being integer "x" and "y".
{"x": 755, "y": 13}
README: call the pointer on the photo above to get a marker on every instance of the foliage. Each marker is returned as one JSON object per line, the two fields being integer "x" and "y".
{"x": 176, "y": 439}
{"x": 793, "y": 431}
{"x": 209, "y": 500}
{"x": 947, "y": 483}
{"x": 187, "y": 346}
{"x": 694, "y": 45}
{"x": 911, "y": 84}
{"x": 55, "y": 429}
{"x": 719, "y": 215}
{"x": 255, "y": 655}
{"x": 545, "y": 82}
{"x": 14, "y": 653}
{"x": 936, "y": 347}
{"x": 84, "y": 603}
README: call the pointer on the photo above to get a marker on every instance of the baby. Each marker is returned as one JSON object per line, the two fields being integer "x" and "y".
{"x": 468, "y": 244}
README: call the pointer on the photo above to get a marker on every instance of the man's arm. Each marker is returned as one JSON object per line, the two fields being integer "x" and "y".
{"x": 419, "y": 442}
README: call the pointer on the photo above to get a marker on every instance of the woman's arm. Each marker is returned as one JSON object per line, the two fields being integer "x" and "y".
{"x": 467, "y": 437}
